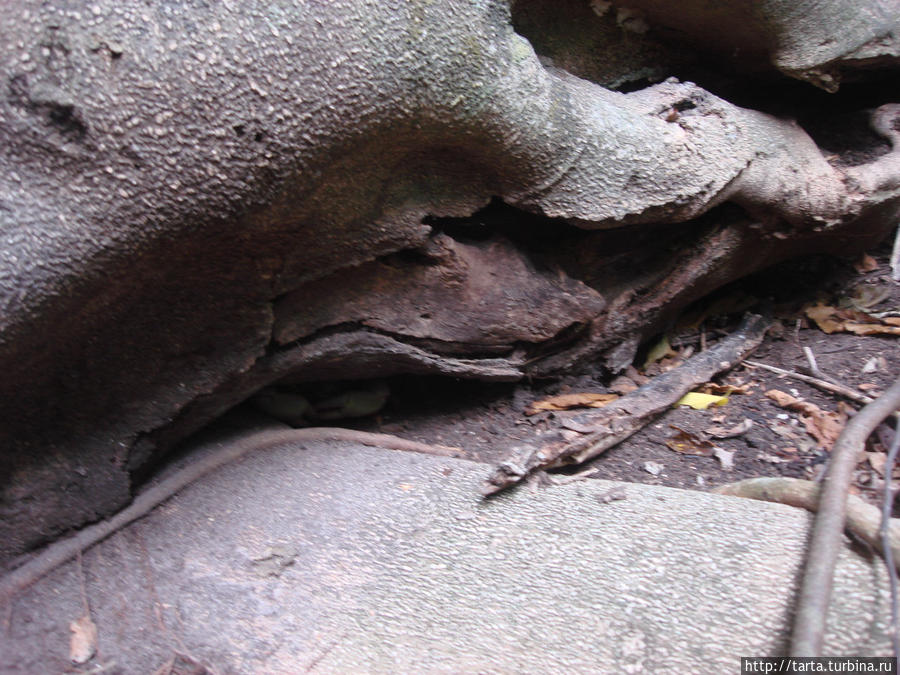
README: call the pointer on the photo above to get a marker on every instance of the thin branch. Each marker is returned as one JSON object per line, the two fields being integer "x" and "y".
{"x": 620, "y": 419}
{"x": 811, "y": 360}
{"x": 887, "y": 505}
{"x": 813, "y": 370}
{"x": 895, "y": 257}
{"x": 815, "y": 591}
{"x": 824, "y": 385}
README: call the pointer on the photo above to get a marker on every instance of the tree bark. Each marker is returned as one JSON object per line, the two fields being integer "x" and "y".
{"x": 198, "y": 201}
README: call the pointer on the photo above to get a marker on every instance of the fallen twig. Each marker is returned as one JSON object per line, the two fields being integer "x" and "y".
{"x": 811, "y": 360}
{"x": 813, "y": 370}
{"x": 824, "y": 385}
{"x": 815, "y": 592}
{"x": 863, "y": 520}
{"x": 620, "y": 419}
{"x": 63, "y": 550}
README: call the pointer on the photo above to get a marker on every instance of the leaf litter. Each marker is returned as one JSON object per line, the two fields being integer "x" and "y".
{"x": 823, "y": 426}
{"x": 835, "y": 320}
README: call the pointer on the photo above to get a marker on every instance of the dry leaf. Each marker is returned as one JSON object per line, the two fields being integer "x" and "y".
{"x": 877, "y": 461}
{"x": 824, "y": 426}
{"x": 623, "y": 385}
{"x": 659, "y": 351}
{"x": 83, "y": 643}
{"x": 823, "y": 315}
{"x": 718, "y": 431}
{"x": 781, "y": 398}
{"x": 723, "y": 389}
{"x": 870, "y": 329}
{"x": 832, "y": 320}
{"x": 689, "y": 444}
{"x": 793, "y": 434}
{"x": 567, "y": 401}
{"x": 865, "y": 263}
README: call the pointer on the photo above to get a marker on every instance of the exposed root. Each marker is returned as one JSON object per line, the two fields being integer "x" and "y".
{"x": 815, "y": 593}
{"x": 863, "y": 520}
{"x": 63, "y": 550}
{"x": 622, "y": 418}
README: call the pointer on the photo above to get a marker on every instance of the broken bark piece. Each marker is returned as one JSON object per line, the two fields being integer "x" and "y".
{"x": 863, "y": 520}
{"x": 620, "y": 419}
{"x": 612, "y": 495}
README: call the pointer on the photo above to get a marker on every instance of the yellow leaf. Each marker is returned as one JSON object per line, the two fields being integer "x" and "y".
{"x": 659, "y": 351}
{"x": 699, "y": 401}
{"x": 567, "y": 401}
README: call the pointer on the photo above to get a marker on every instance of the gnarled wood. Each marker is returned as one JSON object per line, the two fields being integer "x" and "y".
{"x": 201, "y": 200}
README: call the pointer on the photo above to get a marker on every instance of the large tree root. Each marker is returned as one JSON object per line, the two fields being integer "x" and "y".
{"x": 863, "y": 520}
{"x": 622, "y": 418}
{"x": 63, "y": 550}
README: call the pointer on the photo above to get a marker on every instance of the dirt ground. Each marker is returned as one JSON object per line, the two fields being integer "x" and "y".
{"x": 488, "y": 420}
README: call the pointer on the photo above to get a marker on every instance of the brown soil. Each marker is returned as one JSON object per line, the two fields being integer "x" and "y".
{"x": 488, "y": 420}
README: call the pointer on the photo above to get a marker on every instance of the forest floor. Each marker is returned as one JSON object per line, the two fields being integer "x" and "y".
{"x": 488, "y": 420}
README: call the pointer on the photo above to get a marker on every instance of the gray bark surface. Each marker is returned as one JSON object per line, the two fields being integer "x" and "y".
{"x": 199, "y": 200}
{"x": 390, "y": 563}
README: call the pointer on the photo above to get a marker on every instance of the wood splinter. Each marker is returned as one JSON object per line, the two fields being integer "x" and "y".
{"x": 620, "y": 419}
